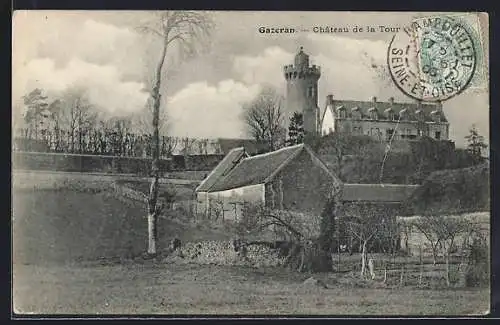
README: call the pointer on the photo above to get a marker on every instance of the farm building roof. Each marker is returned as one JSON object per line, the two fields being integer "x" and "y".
{"x": 256, "y": 169}
{"x": 377, "y": 192}
{"x": 223, "y": 168}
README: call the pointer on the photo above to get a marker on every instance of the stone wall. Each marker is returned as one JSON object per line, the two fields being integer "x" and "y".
{"x": 223, "y": 253}
{"x": 109, "y": 164}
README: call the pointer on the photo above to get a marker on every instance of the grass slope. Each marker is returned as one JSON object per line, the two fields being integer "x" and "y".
{"x": 72, "y": 223}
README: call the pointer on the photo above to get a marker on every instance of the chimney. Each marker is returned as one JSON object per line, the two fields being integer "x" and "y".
{"x": 329, "y": 99}
{"x": 374, "y": 99}
{"x": 391, "y": 100}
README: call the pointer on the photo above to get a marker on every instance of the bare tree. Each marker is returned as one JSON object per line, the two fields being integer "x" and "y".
{"x": 188, "y": 30}
{"x": 426, "y": 226}
{"x": 187, "y": 145}
{"x": 77, "y": 115}
{"x": 443, "y": 230}
{"x": 117, "y": 129}
{"x": 300, "y": 246}
{"x": 203, "y": 146}
{"x": 169, "y": 145}
{"x": 264, "y": 118}
{"x": 365, "y": 222}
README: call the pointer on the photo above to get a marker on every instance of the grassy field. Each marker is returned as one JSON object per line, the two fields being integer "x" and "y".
{"x": 195, "y": 289}
{"x": 73, "y": 248}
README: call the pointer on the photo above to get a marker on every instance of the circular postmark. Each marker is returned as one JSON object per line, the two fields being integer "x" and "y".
{"x": 433, "y": 59}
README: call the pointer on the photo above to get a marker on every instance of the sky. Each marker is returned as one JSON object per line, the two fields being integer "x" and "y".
{"x": 104, "y": 52}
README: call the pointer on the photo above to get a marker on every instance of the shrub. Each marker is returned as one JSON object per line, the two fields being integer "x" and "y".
{"x": 478, "y": 271}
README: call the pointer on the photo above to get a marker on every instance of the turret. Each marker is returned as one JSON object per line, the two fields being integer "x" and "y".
{"x": 302, "y": 91}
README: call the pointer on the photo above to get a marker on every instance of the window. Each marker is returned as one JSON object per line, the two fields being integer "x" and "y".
{"x": 341, "y": 112}
{"x": 388, "y": 134}
{"x": 357, "y": 130}
{"x": 437, "y": 135}
{"x": 373, "y": 115}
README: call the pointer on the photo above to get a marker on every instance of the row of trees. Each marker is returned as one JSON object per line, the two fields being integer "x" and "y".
{"x": 111, "y": 139}
{"x": 72, "y": 124}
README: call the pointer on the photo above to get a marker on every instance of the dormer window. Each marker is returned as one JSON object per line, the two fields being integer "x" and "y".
{"x": 373, "y": 113}
{"x": 419, "y": 114}
{"x": 341, "y": 113}
{"x": 403, "y": 114}
{"x": 436, "y": 116}
{"x": 356, "y": 114}
{"x": 389, "y": 113}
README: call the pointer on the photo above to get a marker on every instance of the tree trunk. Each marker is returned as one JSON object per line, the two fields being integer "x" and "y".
{"x": 448, "y": 269}
{"x": 434, "y": 254}
{"x": 153, "y": 207}
{"x": 421, "y": 269}
{"x": 152, "y": 233}
{"x": 401, "y": 278}
{"x": 363, "y": 260}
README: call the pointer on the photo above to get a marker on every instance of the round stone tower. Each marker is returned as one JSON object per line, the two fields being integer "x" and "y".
{"x": 302, "y": 91}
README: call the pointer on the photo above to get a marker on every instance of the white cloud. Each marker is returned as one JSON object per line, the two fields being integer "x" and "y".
{"x": 105, "y": 88}
{"x": 266, "y": 67}
{"x": 52, "y": 54}
{"x": 204, "y": 111}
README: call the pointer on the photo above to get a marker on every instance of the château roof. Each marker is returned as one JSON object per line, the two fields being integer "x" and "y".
{"x": 366, "y": 106}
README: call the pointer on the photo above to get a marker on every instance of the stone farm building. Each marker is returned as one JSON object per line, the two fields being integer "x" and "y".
{"x": 292, "y": 178}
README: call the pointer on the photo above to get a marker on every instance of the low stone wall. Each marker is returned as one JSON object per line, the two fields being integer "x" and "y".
{"x": 223, "y": 253}
{"x": 109, "y": 164}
